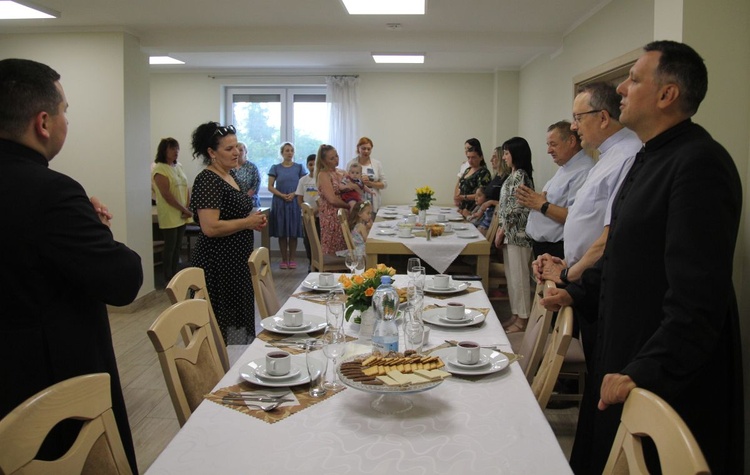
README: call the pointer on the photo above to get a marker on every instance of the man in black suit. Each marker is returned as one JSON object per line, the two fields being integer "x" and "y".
{"x": 667, "y": 313}
{"x": 61, "y": 265}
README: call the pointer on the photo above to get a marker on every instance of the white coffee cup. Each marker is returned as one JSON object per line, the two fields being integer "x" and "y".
{"x": 441, "y": 218}
{"x": 467, "y": 352}
{"x": 447, "y": 227}
{"x": 326, "y": 279}
{"x": 441, "y": 281}
{"x": 412, "y": 219}
{"x": 293, "y": 317}
{"x": 455, "y": 311}
{"x": 278, "y": 363}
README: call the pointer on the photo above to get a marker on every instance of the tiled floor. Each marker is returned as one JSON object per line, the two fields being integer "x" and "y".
{"x": 152, "y": 417}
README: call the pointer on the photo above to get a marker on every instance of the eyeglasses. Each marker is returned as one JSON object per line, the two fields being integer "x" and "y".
{"x": 222, "y": 131}
{"x": 577, "y": 117}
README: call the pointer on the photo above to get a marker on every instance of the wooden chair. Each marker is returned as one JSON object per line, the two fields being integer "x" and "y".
{"x": 344, "y": 220}
{"x": 546, "y": 376}
{"x": 319, "y": 261}
{"x": 98, "y": 448}
{"x": 193, "y": 280}
{"x": 194, "y": 370}
{"x": 646, "y": 414}
{"x": 265, "y": 292}
{"x": 532, "y": 342}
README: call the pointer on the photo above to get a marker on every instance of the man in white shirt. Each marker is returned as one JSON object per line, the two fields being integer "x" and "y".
{"x": 596, "y": 112}
{"x": 549, "y": 209}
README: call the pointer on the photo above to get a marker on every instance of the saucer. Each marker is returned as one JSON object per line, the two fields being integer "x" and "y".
{"x": 313, "y": 284}
{"x": 249, "y": 370}
{"x": 304, "y": 326}
{"x": 484, "y": 360}
{"x": 386, "y": 232}
{"x": 261, "y": 372}
{"x": 455, "y": 321}
{"x": 314, "y": 323}
{"x": 467, "y": 235}
{"x": 497, "y": 362}
{"x": 436, "y": 316}
{"x": 456, "y": 218}
{"x": 460, "y": 227}
{"x": 452, "y": 289}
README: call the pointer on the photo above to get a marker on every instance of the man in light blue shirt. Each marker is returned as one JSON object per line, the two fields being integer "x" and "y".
{"x": 549, "y": 209}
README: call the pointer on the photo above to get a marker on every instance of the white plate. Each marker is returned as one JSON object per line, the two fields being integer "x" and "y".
{"x": 414, "y": 388}
{"x": 391, "y": 213}
{"x": 312, "y": 284}
{"x": 261, "y": 372}
{"x": 390, "y": 207}
{"x": 407, "y": 237}
{"x": 386, "y": 232}
{"x": 446, "y": 209}
{"x": 389, "y": 217}
{"x": 484, "y": 360}
{"x": 452, "y": 289}
{"x": 456, "y": 218}
{"x": 468, "y": 235}
{"x": 384, "y": 225}
{"x": 455, "y": 321}
{"x": 316, "y": 323}
{"x": 434, "y": 315}
{"x": 460, "y": 227}
{"x": 248, "y": 371}
{"x": 498, "y": 362}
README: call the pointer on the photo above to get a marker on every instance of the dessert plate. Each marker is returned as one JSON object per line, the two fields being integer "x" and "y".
{"x": 497, "y": 362}
{"x": 262, "y": 372}
{"x": 312, "y": 284}
{"x": 451, "y": 289}
{"x": 312, "y": 323}
{"x": 436, "y": 316}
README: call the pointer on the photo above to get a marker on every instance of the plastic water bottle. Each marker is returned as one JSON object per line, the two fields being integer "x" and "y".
{"x": 385, "y": 300}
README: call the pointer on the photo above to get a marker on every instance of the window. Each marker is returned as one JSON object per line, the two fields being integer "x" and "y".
{"x": 267, "y": 117}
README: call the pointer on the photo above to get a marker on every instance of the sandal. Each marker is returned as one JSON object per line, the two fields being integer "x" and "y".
{"x": 292, "y": 265}
{"x": 518, "y": 325}
{"x": 282, "y": 265}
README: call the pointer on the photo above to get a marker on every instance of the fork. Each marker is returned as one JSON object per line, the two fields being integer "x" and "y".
{"x": 259, "y": 394}
{"x": 262, "y": 406}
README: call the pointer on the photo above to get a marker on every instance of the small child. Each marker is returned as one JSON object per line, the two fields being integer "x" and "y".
{"x": 477, "y": 214}
{"x": 356, "y": 186}
{"x": 360, "y": 222}
{"x": 307, "y": 192}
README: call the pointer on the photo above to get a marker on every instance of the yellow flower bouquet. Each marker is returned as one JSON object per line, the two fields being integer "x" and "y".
{"x": 360, "y": 288}
{"x": 424, "y": 197}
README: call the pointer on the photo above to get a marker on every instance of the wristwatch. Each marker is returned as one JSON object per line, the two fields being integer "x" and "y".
{"x": 544, "y": 207}
{"x": 564, "y": 276}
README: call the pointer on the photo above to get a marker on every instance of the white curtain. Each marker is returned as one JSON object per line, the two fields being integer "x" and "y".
{"x": 343, "y": 98}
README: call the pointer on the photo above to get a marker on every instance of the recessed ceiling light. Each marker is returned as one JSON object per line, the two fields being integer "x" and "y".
{"x": 163, "y": 60}
{"x": 17, "y": 11}
{"x": 398, "y": 58}
{"x": 385, "y": 7}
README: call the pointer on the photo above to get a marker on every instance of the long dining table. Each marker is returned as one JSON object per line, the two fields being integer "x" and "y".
{"x": 476, "y": 424}
{"x": 439, "y": 252}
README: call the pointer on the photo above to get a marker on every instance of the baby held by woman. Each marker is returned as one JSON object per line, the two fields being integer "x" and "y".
{"x": 353, "y": 186}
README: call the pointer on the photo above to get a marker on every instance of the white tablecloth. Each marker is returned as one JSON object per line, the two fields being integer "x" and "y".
{"x": 491, "y": 425}
{"x": 439, "y": 252}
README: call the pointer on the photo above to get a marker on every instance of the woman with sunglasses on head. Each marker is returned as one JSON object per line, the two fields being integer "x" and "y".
{"x": 225, "y": 242}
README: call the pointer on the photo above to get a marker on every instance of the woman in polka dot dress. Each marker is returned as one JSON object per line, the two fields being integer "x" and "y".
{"x": 226, "y": 238}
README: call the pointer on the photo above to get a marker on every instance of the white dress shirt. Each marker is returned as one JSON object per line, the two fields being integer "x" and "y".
{"x": 590, "y": 212}
{"x": 561, "y": 191}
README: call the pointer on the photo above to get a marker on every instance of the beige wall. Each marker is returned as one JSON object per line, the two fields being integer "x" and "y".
{"x": 103, "y": 135}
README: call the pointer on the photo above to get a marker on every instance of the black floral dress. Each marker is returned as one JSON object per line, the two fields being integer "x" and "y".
{"x": 224, "y": 259}
{"x": 467, "y": 185}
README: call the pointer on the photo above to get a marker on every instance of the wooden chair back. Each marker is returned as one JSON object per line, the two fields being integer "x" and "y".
{"x": 344, "y": 221}
{"x": 494, "y": 224}
{"x": 318, "y": 261}
{"x": 265, "y": 292}
{"x": 191, "y": 283}
{"x": 193, "y": 370}
{"x": 98, "y": 448}
{"x": 646, "y": 414}
{"x": 535, "y": 337}
{"x": 549, "y": 369}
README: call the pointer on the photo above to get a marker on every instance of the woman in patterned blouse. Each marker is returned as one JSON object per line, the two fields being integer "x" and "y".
{"x": 512, "y": 232}
{"x": 475, "y": 176}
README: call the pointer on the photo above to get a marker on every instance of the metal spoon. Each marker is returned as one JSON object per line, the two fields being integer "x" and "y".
{"x": 243, "y": 402}
{"x": 275, "y": 395}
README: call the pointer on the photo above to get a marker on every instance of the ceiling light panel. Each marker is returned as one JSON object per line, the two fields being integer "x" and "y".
{"x": 17, "y": 11}
{"x": 398, "y": 58}
{"x": 163, "y": 60}
{"x": 385, "y": 7}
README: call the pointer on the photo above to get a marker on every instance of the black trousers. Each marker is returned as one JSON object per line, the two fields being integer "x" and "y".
{"x": 541, "y": 247}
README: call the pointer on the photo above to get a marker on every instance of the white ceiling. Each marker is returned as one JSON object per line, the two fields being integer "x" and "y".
{"x": 318, "y": 35}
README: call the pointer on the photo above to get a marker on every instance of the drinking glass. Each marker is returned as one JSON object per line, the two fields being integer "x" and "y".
{"x": 334, "y": 344}
{"x": 335, "y": 307}
{"x": 413, "y": 330}
{"x": 317, "y": 364}
{"x": 419, "y": 277}
{"x": 360, "y": 263}
{"x": 413, "y": 263}
{"x": 415, "y": 297}
{"x": 351, "y": 261}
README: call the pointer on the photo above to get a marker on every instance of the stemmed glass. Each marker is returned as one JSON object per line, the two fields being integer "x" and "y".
{"x": 418, "y": 277}
{"x": 334, "y": 344}
{"x": 360, "y": 263}
{"x": 335, "y": 307}
{"x": 411, "y": 267}
{"x": 351, "y": 261}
